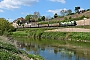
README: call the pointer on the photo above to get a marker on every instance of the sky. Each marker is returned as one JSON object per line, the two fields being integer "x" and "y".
{"x": 13, "y": 9}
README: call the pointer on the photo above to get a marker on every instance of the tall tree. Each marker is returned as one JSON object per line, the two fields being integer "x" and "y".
{"x": 37, "y": 13}
{"x": 77, "y": 9}
{"x": 63, "y": 12}
{"x": 55, "y": 15}
{"x": 69, "y": 11}
{"x": 28, "y": 17}
{"x": 39, "y": 19}
{"x": 43, "y": 18}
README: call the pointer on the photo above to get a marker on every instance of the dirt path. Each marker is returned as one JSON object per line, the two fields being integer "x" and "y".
{"x": 69, "y": 30}
{"x": 83, "y": 22}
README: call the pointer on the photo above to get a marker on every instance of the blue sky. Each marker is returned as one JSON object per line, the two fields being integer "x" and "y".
{"x": 14, "y": 9}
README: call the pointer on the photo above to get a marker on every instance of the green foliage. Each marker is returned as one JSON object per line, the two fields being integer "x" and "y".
{"x": 19, "y": 33}
{"x": 5, "y": 26}
{"x": 36, "y": 33}
{"x": 7, "y": 52}
{"x": 65, "y": 18}
{"x": 35, "y": 57}
{"x": 70, "y": 17}
{"x": 23, "y": 25}
{"x": 88, "y": 9}
{"x": 43, "y": 18}
{"x": 80, "y": 36}
{"x": 28, "y": 17}
{"x": 39, "y": 19}
{"x": 5, "y": 55}
{"x": 18, "y": 22}
{"x": 39, "y": 33}
{"x": 54, "y": 35}
{"x": 55, "y": 15}
{"x": 10, "y": 52}
{"x": 77, "y": 9}
{"x": 20, "y": 29}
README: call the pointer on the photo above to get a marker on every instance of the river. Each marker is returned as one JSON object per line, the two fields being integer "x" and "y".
{"x": 55, "y": 50}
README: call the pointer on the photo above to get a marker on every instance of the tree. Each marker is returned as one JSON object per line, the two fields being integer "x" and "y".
{"x": 77, "y": 9}
{"x": 63, "y": 12}
{"x": 36, "y": 16}
{"x": 88, "y": 9}
{"x": 69, "y": 12}
{"x": 70, "y": 17}
{"x": 43, "y": 18}
{"x": 48, "y": 17}
{"x": 28, "y": 17}
{"x": 18, "y": 22}
{"x": 55, "y": 15}
{"x": 37, "y": 13}
{"x": 39, "y": 19}
{"x": 5, "y": 26}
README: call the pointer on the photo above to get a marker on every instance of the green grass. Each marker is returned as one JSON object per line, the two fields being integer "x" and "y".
{"x": 19, "y": 33}
{"x": 6, "y": 55}
{"x": 35, "y": 57}
{"x": 80, "y": 36}
{"x": 7, "y": 52}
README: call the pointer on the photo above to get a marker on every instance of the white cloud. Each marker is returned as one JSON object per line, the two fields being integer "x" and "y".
{"x": 1, "y": 11}
{"x": 62, "y": 1}
{"x": 81, "y": 9}
{"x": 12, "y": 4}
{"x": 56, "y": 11}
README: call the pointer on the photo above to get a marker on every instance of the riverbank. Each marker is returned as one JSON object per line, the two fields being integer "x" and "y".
{"x": 9, "y": 51}
{"x": 75, "y": 41}
{"x": 39, "y": 46}
{"x": 55, "y": 33}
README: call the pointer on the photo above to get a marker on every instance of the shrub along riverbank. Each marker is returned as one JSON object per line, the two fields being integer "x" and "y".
{"x": 40, "y": 33}
{"x": 9, "y": 52}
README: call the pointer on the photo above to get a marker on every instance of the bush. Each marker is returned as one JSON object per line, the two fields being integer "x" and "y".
{"x": 5, "y": 55}
{"x": 70, "y": 17}
{"x": 5, "y": 26}
{"x": 65, "y": 18}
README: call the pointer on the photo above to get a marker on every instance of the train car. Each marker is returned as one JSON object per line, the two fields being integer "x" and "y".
{"x": 71, "y": 23}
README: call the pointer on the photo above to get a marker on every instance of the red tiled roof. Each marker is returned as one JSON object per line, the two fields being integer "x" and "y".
{"x": 20, "y": 19}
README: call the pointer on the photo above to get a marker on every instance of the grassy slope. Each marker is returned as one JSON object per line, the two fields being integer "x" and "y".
{"x": 10, "y": 52}
{"x": 87, "y": 13}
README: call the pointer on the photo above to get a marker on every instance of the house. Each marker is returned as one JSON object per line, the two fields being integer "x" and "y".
{"x": 18, "y": 21}
{"x": 22, "y": 20}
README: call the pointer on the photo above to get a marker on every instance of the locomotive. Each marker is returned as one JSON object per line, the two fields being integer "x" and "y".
{"x": 71, "y": 23}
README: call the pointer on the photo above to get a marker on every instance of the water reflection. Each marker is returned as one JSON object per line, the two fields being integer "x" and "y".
{"x": 52, "y": 50}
